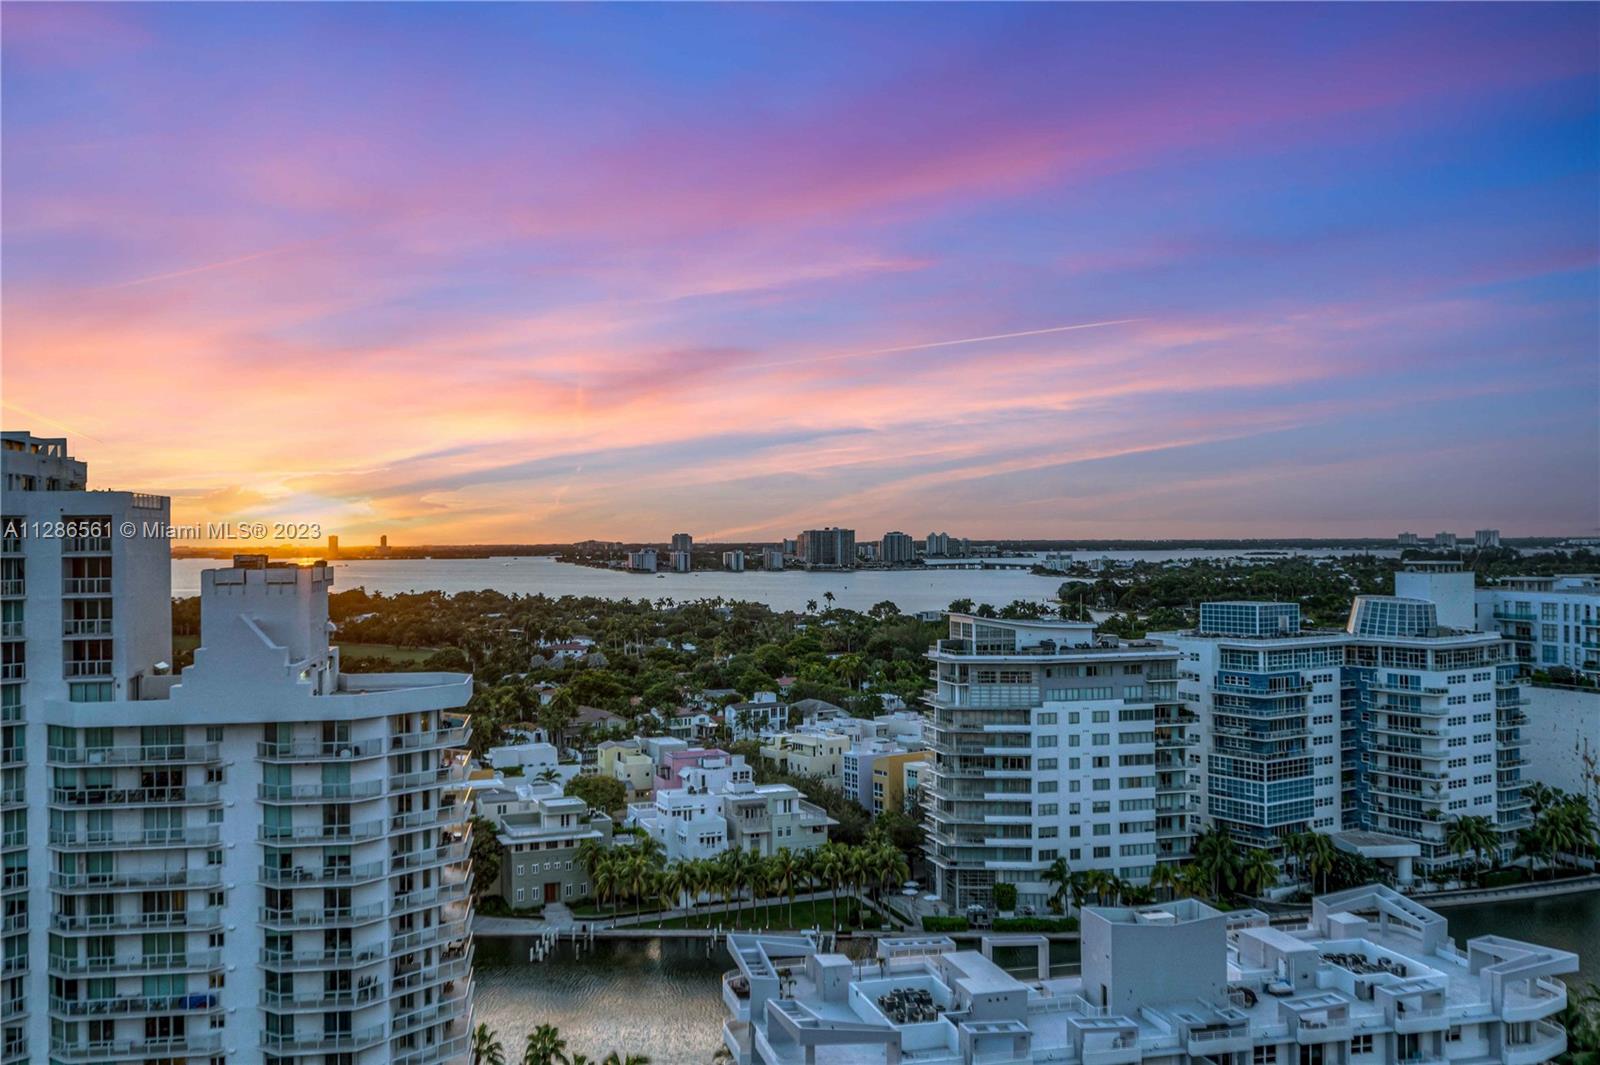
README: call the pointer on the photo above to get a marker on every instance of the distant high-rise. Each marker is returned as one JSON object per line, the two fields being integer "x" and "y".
{"x": 682, "y": 542}
{"x": 897, "y": 547}
{"x": 1408, "y": 539}
{"x": 829, "y": 548}
{"x": 682, "y": 561}
{"x": 333, "y": 547}
{"x": 1444, "y": 540}
{"x": 733, "y": 560}
{"x": 1486, "y": 538}
{"x": 772, "y": 558}
{"x": 643, "y": 560}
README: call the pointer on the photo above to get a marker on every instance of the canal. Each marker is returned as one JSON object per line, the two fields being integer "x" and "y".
{"x": 662, "y": 997}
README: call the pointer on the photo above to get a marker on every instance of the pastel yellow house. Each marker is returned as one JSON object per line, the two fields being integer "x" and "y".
{"x": 894, "y": 776}
{"x": 806, "y": 754}
{"x": 623, "y": 760}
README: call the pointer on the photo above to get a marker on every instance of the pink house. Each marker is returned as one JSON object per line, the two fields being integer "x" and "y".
{"x": 669, "y": 774}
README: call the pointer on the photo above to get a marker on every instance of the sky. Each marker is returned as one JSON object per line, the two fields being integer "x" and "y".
{"x": 515, "y": 273}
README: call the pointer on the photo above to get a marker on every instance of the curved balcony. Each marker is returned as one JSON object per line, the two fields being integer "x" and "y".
{"x": 326, "y": 876}
{"x": 319, "y": 751}
{"x": 414, "y": 976}
{"x": 198, "y": 836}
{"x": 323, "y": 917}
{"x": 449, "y": 854}
{"x": 307, "y": 960}
{"x": 138, "y": 964}
{"x": 450, "y": 1050}
{"x": 449, "y": 736}
{"x": 441, "y": 1012}
{"x": 280, "y": 834}
{"x": 369, "y": 991}
{"x": 312, "y": 1042}
{"x": 443, "y": 776}
{"x": 136, "y": 754}
{"x": 449, "y": 814}
{"x": 136, "y": 1005}
{"x": 98, "y": 923}
{"x": 174, "y": 1047}
{"x": 346, "y": 792}
{"x": 443, "y": 895}
{"x": 422, "y": 938}
{"x": 176, "y": 795}
{"x": 203, "y": 876}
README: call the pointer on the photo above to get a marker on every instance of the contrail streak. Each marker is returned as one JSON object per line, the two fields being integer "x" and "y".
{"x": 944, "y": 343}
{"x": 207, "y": 267}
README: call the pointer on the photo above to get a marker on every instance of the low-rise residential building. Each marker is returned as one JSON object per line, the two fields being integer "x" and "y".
{"x": 762, "y": 715}
{"x": 893, "y": 780}
{"x": 674, "y": 763}
{"x": 818, "y": 755}
{"x": 718, "y": 805}
{"x": 626, "y": 760}
{"x": 541, "y": 830}
{"x": 1372, "y": 979}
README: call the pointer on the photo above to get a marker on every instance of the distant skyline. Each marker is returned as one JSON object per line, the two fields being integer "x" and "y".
{"x": 518, "y": 273}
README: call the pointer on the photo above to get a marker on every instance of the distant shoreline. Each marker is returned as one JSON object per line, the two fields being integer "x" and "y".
{"x": 447, "y": 551}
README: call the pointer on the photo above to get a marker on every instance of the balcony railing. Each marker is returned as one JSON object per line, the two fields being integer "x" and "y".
{"x": 312, "y": 1042}
{"x": 319, "y": 750}
{"x": 327, "y": 792}
{"x": 179, "y": 1046}
{"x": 325, "y": 876}
{"x": 348, "y": 958}
{"x": 200, "y": 876}
{"x": 324, "y": 917}
{"x": 86, "y": 586}
{"x": 180, "y": 793}
{"x": 140, "y": 754}
{"x": 128, "y": 1005}
{"x": 86, "y": 627}
{"x": 199, "y": 836}
{"x": 315, "y": 833}
{"x": 191, "y": 961}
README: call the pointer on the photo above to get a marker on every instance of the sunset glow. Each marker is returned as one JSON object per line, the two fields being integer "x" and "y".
{"x": 500, "y": 273}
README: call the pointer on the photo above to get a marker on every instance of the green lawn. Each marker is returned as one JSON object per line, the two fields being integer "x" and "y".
{"x": 393, "y": 652}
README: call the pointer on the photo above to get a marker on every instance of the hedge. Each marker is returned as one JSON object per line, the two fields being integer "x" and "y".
{"x": 1036, "y": 924}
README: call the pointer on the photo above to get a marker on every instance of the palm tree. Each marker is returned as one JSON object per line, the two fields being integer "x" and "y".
{"x": 486, "y": 1049}
{"x": 811, "y": 606}
{"x": 1060, "y": 875}
{"x": 1320, "y": 857}
{"x": 1166, "y": 878}
{"x": 614, "y": 1058}
{"x": 674, "y": 883}
{"x": 546, "y": 1047}
{"x": 1295, "y": 846}
{"x": 1217, "y": 855}
{"x": 829, "y": 866}
{"x": 1471, "y": 834}
{"x": 783, "y": 869}
{"x": 1259, "y": 871}
{"x": 607, "y": 879}
{"x": 828, "y": 596}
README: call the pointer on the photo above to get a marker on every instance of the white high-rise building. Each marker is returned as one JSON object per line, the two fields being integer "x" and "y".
{"x": 261, "y": 860}
{"x": 1393, "y": 725}
{"x": 733, "y": 561}
{"x": 1049, "y": 742}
